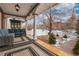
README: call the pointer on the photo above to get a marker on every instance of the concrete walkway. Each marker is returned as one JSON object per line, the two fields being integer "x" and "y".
{"x": 68, "y": 46}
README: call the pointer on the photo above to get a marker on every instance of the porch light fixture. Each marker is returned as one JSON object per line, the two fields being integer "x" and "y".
{"x": 17, "y": 7}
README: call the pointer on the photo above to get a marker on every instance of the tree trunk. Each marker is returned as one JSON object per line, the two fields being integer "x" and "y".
{"x": 50, "y": 29}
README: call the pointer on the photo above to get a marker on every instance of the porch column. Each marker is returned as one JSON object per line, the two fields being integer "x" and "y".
{"x": 34, "y": 28}
{"x": 26, "y": 26}
{"x": 0, "y": 20}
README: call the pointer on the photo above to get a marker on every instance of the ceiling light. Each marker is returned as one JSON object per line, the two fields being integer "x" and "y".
{"x": 17, "y": 7}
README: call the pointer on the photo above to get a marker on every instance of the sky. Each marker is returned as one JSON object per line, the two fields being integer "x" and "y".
{"x": 62, "y": 12}
{"x": 77, "y": 8}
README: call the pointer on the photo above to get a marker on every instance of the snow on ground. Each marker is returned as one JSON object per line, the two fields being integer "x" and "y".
{"x": 39, "y": 32}
{"x": 61, "y": 44}
{"x": 70, "y": 34}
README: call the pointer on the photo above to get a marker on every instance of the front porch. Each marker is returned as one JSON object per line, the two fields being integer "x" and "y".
{"x": 28, "y": 47}
{"x": 26, "y": 32}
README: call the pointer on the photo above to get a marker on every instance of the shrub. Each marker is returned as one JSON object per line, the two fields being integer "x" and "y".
{"x": 77, "y": 36}
{"x": 57, "y": 35}
{"x": 76, "y": 48}
{"x": 48, "y": 33}
{"x": 77, "y": 32}
{"x": 52, "y": 39}
{"x": 65, "y": 36}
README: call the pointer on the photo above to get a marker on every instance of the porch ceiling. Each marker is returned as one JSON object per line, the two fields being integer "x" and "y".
{"x": 25, "y": 8}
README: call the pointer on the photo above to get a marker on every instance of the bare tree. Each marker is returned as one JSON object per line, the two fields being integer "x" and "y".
{"x": 48, "y": 21}
{"x": 72, "y": 21}
{"x": 77, "y": 25}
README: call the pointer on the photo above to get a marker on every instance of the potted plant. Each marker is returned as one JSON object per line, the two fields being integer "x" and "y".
{"x": 52, "y": 39}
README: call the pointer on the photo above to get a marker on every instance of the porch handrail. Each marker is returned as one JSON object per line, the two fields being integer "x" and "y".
{"x": 52, "y": 48}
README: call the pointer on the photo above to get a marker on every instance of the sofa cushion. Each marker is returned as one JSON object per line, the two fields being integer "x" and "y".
{"x": 11, "y": 30}
{"x": 0, "y": 35}
{"x": 4, "y": 32}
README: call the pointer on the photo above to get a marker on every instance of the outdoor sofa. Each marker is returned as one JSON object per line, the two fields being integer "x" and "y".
{"x": 6, "y": 38}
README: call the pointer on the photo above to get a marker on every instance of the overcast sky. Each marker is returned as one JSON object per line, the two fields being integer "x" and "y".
{"x": 62, "y": 12}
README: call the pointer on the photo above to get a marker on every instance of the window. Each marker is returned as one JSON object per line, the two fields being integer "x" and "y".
{"x": 15, "y": 24}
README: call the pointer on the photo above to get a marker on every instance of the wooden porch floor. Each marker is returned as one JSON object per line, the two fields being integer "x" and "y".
{"x": 23, "y": 42}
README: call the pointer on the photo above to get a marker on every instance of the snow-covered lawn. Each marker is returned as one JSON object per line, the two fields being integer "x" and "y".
{"x": 70, "y": 34}
{"x": 66, "y": 44}
{"x": 39, "y": 32}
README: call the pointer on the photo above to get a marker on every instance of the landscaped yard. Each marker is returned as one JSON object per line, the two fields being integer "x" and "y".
{"x": 64, "y": 43}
